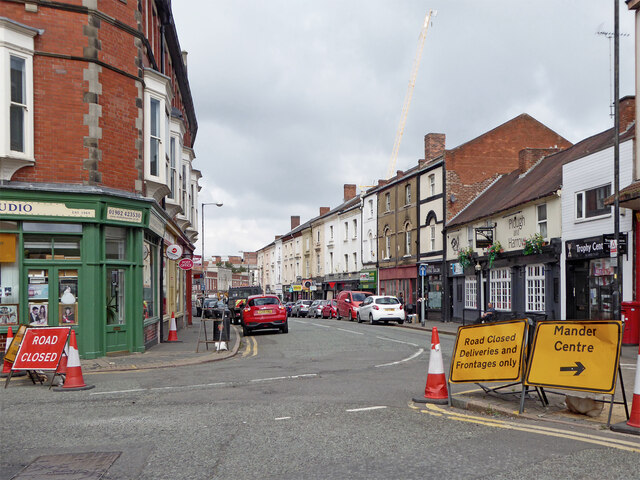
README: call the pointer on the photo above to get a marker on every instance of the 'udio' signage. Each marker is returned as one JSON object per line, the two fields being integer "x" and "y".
{"x": 41, "y": 348}
{"x": 489, "y": 353}
{"x": 576, "y": 355}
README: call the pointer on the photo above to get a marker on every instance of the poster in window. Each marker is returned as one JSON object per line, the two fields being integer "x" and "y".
{"x": 68, "y": 314}
{"x": 8, "y": 314}
{"x": 38, "y": 314}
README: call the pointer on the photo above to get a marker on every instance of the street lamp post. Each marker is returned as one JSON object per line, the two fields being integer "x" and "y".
{"x": 204, "y": 275}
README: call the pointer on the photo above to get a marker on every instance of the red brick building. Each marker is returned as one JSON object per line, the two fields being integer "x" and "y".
{"x": 96, "y": 168}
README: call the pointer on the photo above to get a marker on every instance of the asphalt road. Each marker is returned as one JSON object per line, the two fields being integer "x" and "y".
{"x": 327, "y": 400}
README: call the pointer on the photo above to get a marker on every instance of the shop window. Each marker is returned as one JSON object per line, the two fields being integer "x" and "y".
{"x": 9, "y": 276}
{"x": 542, "y": 219}
{"x": 470, "y": 292}
{"x": 590, "y": 203}
{"x": 535, "y": 288}
{"x": 149, "y": 280}
{"x": 38, "y": 295}
{"x": 68, "y": 292}
{"x": 115, "y": 243}
{"x": 47, "y": 247}
{"x": 500, "y": 289}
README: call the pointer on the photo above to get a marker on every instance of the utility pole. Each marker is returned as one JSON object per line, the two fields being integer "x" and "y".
{"x": 617, "y": 294}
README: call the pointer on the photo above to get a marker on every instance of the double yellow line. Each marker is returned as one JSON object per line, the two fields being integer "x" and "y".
{"x": 251, "y": 349}
{"x": 551, "y": 432}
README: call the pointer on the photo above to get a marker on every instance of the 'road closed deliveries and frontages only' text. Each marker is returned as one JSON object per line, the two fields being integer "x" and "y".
{"x": 491, "y": 352}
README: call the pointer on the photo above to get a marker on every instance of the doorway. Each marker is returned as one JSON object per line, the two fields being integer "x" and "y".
{"x": 116, "y": 318}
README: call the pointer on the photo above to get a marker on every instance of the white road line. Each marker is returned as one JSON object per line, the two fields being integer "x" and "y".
{"x": 349, "y": 331}
{"x": 291, "y": 377}
{"x": 120, "y": 391}
{"x": 398, "y": 341}
{"x": 320, "y": 325}
{"x": 419, "y": 352}
{"x": 282, "y": 418}
{"x": 365, "y": 409}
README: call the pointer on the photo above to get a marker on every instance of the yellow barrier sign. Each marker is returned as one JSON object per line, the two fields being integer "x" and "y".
{"x": 489, "y": 353}
{"x": 576, "y": 355}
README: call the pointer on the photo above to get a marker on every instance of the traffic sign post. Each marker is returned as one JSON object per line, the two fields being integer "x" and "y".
{"x": 423, "y": 273}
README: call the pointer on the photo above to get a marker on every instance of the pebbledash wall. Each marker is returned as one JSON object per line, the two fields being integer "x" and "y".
{"x": 92, "y": 191}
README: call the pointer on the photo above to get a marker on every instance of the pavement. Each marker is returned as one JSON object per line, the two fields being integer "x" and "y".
{"x": 192, "y": 349}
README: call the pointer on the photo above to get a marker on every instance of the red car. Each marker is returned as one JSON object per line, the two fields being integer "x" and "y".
{"x": 264, "y": 311}
{"x": 330, "y": 310}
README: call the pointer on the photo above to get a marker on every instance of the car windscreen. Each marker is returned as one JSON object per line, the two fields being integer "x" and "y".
{"x": 257, "y": 302}
{"x": 359, "y": 297}
{"x": 210, "y": 303}
{"x": 221, "y": 304}
{"x": 307, "y": 302}
{"x": 387, "y": 301}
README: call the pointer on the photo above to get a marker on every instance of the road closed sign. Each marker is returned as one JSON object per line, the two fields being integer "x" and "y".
{"x": 576, "y": 355}
{"x": 41, "y": 348}
{"x": 489, "y": 353}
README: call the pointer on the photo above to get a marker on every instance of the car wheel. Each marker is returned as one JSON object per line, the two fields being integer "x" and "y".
{"x": 400, "y": 322}
{"x": 285, "y": 329}
{"x": 371, "y": 320}
{"x": 245, "y": 331}
{"x": 358, "y": 317}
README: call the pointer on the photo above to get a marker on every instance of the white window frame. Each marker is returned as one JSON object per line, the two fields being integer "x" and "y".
{"x": 346, "y": 262}
{"x": 500, "y": 288}
{"x": 432, "y": 238}
{"x": 387, "y": 244}
{"x": 330, "y": 232}
{"x": 407, "y": 240}
{"x": 172, "y": 167}
{"x": 470, "y": 292}
{"x": 580, "y": 210}
{"x": 432, "y": 185}
{"x": 355, "y": 229}
{"x": 370, "y": 208}
{"x": 542, "y": 224}
{"x": 346, "y": 231}
{"x": 371, "y": 245}
{"x": 387, "y": 202}
{"x": 155, "y": 104}
{"x": 535, "y": 288}
{"x": 17, "y": 41}
{"x": 355, "y": 261}
{"x": 470, "y": 233}
{"x": 407, "y": 194}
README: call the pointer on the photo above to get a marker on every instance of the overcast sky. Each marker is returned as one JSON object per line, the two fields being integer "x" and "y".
{"x": 295, "y": 98}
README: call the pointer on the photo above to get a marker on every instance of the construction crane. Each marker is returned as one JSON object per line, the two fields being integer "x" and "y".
{"x": 407, "y": 98}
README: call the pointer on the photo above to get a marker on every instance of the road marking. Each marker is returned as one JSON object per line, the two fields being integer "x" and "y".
{"x": 349, "y": 331}
{"x": 541, "y": 430}
{"x": 418, "y": 353}
{"x": 320, "y": 325}
{"x": 398, "y": 341}
{"x": 205, "y": 385}
{"x": 282, "y": 418}
{"x": 255, "y": 346}
{"x": 365, "y": 409}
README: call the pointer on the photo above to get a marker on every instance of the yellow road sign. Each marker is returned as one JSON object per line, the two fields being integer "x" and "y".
{"x": 491, "y": 352}
{"x": 576, "y": 355}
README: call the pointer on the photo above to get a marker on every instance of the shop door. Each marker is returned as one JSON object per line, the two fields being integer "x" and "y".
{"x": 116, "y": 328}
{"x": 52, "y": 294}
{"x": 578, "y": 291}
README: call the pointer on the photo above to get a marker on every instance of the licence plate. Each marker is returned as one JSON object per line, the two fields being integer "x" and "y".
{"x": 389, "y": 309}
{"x": 264, "y": 311}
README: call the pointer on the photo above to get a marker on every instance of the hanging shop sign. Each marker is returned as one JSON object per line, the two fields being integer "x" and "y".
{"x": 491, "y": 352}
{"x": 41, "y": 348}
{"x": 186, "y": 264}
{"x": 576, "y": 355}
{"x": 594, "y": 247}
{"x": 174, "y": 252}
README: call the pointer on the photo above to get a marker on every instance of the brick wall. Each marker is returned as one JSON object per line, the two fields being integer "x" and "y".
{"x": 475, "y": 164}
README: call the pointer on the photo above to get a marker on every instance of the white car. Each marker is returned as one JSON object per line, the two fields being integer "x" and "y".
{"x": 379, "y": 308}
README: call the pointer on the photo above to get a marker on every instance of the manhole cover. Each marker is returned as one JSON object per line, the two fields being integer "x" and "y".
{"x": 70, "y": 466}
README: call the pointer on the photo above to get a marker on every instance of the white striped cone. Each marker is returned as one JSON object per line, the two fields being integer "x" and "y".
{"x": 73, "y": 380}
{"x": 62, "y": 366}
{"x": 6, "y": 368}
{"x": 634, "y": 418}
{"x": 435, "y": 390}
{"x": 173, "y": 331}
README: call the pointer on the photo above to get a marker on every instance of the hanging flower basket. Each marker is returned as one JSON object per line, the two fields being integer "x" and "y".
{"x": 493, "y": 251}
{"x": 465, "y": 257}
{"x": 533, "y": 244}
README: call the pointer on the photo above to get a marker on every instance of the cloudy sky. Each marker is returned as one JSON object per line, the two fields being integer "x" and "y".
{"x": 295, "y": 98}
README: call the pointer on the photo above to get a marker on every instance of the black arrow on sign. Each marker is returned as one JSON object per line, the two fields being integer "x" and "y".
{"x": 579, "y": 368}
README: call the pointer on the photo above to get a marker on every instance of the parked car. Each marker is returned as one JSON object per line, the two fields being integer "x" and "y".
{"x": 381, "y": 308}
{"x": 348, "y": 303}
{"x": 301, "y": 308}
{"x": 213, "y": 308}
{"x": 330, "y": 309}
{"x": 315, "y": 309}
{"x": 262, "y": 312}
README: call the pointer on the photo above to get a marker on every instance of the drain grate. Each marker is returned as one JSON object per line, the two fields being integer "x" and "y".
{"x": 69, "y": 466}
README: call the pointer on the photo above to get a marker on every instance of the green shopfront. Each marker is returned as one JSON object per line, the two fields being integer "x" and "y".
{"x": 92, "y": 262}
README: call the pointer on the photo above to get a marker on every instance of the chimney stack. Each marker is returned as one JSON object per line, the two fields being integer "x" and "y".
{"x": 627, "y": 112}
{"x": 295, "y": 221}
{"x": 324, "y": 210}
{"x": 433, "y": 145}
{"x": 528, "y": 157}
{"x": 349, "y": 191}
{"x": 382, "y": 182}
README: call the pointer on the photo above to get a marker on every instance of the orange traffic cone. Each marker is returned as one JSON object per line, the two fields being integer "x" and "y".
{"x": 6, "y": 368}
{"x": 62, "y": 366}
{"x": 436, "y": 389}
{"x": 173, "y": 331}
{"x": 633, "y": 424}
{"x": 73, "y": 380}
